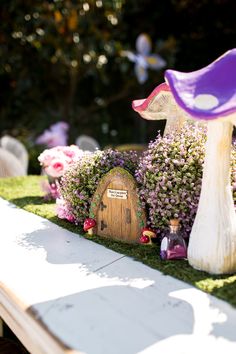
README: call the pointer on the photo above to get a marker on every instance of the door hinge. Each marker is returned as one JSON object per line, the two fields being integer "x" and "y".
{"x": 102, "y": 206}
{"x": 103, "y": 225}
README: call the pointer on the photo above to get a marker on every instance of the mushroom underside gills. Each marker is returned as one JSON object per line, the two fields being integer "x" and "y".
{"x": 162, "y": 106}
{"x": 212, "y": 244}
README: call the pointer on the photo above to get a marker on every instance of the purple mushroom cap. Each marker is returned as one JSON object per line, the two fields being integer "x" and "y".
{"x": 208, "y": 93}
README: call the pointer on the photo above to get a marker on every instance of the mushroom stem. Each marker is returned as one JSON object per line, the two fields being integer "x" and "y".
{"x": 90, "y": 231}
{"x": 212, "y": 245}
{"x": 174, "y": 123}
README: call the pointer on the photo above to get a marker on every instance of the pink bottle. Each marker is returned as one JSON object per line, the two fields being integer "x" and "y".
{"x": 173, "y": 245}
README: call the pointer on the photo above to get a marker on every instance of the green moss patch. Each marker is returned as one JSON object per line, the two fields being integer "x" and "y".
{"x": 26, "y": 193}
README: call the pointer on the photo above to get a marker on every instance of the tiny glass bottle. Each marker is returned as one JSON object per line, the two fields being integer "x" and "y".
{"x": 173, "y": 245}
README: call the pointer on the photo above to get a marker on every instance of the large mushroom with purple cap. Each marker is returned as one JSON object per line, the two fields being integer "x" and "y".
{"x": 159, "y": 105}
{"x": 209, "y": 94}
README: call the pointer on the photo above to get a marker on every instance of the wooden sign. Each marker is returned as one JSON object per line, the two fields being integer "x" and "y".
{"x": 116, "y": 208}
{"x": 117, "y": 193}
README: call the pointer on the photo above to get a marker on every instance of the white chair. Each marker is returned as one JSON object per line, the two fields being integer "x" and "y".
{"x": 14, "y": 146}
{"x": 10, "y": 165}
{"x": 87, "y": 143}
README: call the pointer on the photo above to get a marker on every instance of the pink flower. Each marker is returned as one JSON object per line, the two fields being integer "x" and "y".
{"x": 45, "y": 158}
{"x": 69, "y": 153}
{"x": 55, "y": 160}
{"x": 70, "y": 218}
{"x": 63, "y": 211}
{"x": 72, "y": 152}
{"x": 56, "y": 168}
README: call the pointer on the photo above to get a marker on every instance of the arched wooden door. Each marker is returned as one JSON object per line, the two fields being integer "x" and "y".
{"x": 115, "y": 206}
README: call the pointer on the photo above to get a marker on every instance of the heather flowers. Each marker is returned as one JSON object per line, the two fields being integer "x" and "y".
{"x": 170, "y": 177}
{"x": 79, "y": 182}
{"x": 63, "y": 210}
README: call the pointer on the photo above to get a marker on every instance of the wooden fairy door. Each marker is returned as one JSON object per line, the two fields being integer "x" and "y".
{"x": 115, "y": 206}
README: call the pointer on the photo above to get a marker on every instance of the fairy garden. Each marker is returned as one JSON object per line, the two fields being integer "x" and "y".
{"x": 179, "y": 193}
{"x": 173, "y": 201}
{"x": 168, "y": 176}
{"x": 181, "y": 178}
{"x": 118, "y": 131}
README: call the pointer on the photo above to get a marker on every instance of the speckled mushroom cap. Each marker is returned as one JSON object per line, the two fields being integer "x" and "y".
{"x": 208, "y": 93}
{"x": 89, "y": 223}
{"x": 151, "y": 108}
{"x": 158, "y": 105}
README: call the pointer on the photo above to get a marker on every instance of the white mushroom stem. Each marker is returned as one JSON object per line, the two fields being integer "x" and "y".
{"x": 175, "y": 121}
{"x": 90, "y": 231}
{"x": 212, "y": 244}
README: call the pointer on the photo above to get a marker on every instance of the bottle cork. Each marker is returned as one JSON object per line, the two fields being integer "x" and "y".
{"x": 174, "y": 222}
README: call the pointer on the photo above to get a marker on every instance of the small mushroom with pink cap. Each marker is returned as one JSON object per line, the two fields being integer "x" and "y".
{"x": 209, "y": 94}
{"x": 160, "y": 104}
{"x": 89, "y": 224}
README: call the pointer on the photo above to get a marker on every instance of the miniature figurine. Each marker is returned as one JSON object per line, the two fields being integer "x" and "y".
{"x": 89, "y": 225}
{"x": 147, "y": 236}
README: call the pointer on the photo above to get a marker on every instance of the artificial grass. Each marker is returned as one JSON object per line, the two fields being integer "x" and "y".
{"x": 26, "y": 193}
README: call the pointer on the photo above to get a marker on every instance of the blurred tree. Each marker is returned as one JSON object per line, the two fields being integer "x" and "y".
{"x": 60, "y": 60}
{"x": 205, "y": 30}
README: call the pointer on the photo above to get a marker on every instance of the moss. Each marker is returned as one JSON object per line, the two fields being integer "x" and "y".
{"x": 26, "y": 193}
{"x": 131, "y": 147}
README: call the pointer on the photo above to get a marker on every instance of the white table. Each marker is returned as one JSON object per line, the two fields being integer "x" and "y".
{"x": 61, "y": 293}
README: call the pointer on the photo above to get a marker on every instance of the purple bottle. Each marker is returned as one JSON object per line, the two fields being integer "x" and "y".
{"x": 173, "y": 245}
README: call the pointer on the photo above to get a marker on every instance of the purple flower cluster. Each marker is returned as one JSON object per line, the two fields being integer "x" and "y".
{"x": 64, "y": 211}
{"x": 80, "y": 181}
{"x": 56, "y": 135}
{"x": 170, "y": 177}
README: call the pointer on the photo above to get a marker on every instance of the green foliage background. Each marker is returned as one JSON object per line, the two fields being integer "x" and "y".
{"x": 60, "y": 60}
